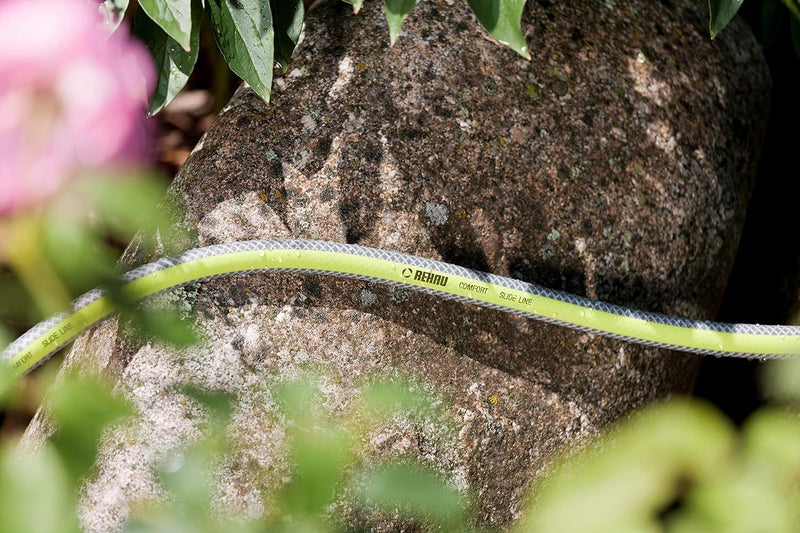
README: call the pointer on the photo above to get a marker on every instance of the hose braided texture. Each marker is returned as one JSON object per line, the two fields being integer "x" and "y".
{"x": 412, "y": 272}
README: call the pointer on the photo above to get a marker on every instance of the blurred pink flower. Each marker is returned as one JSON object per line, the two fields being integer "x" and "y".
{"x": 71, "y": 97}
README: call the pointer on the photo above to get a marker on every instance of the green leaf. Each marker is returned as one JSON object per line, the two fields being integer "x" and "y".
{"x": 190, "y": 490}
{"x": 173, "y": 63}
{"x": 793, "y": 6}
{"x": 781, "y": 379}
{"x": 173, "y": 16}
{"x": 356, "y": 5}
{"x": 414, "y": 491}
{"x": 76, "y": 252}
{"x": 773, "y": 436}
{"x": 320, "y": 450}
{"x": 621, "y": 482}
{"x": 287, "y": 16}
{"x": 722, "y": 12}
{"x": 35, "y": 492}
{"x": 82, "y": 408}
{"x": 319, "y": 457}
{"x": 244, "y": 35}
{"x": 501, "y": 19}
{"x": 16, "y": 306}
{"x": 5, "y": 335}
{"x": 388, "y": 398}
{"x": 771, "y": 20}
{"x": 396, "y": 13}
{"x": 794, "y": 26}
{"x": 168, "y": 326}
{"x": 113, "y": 12}
{"x": 128, "y": 204}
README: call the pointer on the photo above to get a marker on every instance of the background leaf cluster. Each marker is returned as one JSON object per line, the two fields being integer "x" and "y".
{"x": 254, "y": 35}
{"x": 774, "y": 13}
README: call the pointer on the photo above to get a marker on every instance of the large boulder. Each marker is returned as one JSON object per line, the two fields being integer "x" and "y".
{"x": 616, "y": 164}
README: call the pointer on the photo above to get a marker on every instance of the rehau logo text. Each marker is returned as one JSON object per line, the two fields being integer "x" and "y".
{"x": 430, "y": 278}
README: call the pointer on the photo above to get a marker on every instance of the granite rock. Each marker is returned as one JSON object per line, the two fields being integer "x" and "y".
{"x": 616, "y": 164}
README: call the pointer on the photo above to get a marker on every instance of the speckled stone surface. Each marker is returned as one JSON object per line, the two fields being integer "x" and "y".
{"x": 616, "y": 164}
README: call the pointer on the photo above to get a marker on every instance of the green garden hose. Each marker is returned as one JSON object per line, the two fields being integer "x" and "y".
{"x": 412, "y": 272}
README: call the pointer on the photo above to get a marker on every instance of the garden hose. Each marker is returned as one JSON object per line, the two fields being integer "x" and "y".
{"x": 411, "y": 272}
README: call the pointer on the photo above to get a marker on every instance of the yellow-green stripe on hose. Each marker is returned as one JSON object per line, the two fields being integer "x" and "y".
{"x": 443, "y": 279}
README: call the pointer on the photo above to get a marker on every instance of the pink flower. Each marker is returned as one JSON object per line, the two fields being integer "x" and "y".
{"x": 71, "y": 98}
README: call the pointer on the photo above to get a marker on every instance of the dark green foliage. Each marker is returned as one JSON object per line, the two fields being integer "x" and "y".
{"x": 721, "y": 13}
{"x": 254, "y": 35}
{"x": 82, "y": 408}
{"x": 288, "y": 16}
{"x": 173, "y": 62}
{"x": 396, "y": 13}
{"x": 245, "y": 36}
{"x": 772, "y": 15}
{"x": 172, "y": 16}
{"x": 501, "y": 19}
{"x": 795, "y": 29}
{"x": 417, "y": 492}
{"x": 357, "y": 4}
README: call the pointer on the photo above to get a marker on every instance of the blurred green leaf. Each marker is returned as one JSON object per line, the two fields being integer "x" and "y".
{"x": 773, "y": 437}
{"x": 287, "y": 16}
{"x": 128, "y": 204}
{"x": 320, "y": 448}
{"x": 113, "y": 12}
{"x": 319, "y": 456}
{"x": 244, "y": 35}
{"x": 300, "y": 400}
{"x": 721, "y": 13}
{"x": 17, "y": 310}
{"x": 781, "y": 379}
{"x": 162, "y": 320}
{"x": 758, "y": 490}
{"x": 136, "y": 205}
{"x": 793, "y": 6}
{"x": 7, "y": 376}
{"x": 396, "y": 13}
{"x": 218, "y": 403}
{"x": 25, "y": 256}
{"x": 190, "y": 485}
{"x": 357, "y": 4}
{"x": 794, "y": 26}
{"x": 738, "y": 499}
{"x": 622, "y": 482}
{"x": 416, "y": 492}
{"x": 167, "y": 325}
{"x": 501, "y": 18}
{"x": 189, "y": 476}
{"x": 386, "y": 398}
{"x": 82, "y": 407}
{"x": 771, "y": 20}
{"x": 9, "y": 387}
{"x": 78, "y": 255}
{"x": 36, "y": 495}
{"x": 167, "y": 520}
{"x": 5, "y": 335}
{"x": 173, "y": 63}
{"x": 175, "y": 17}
